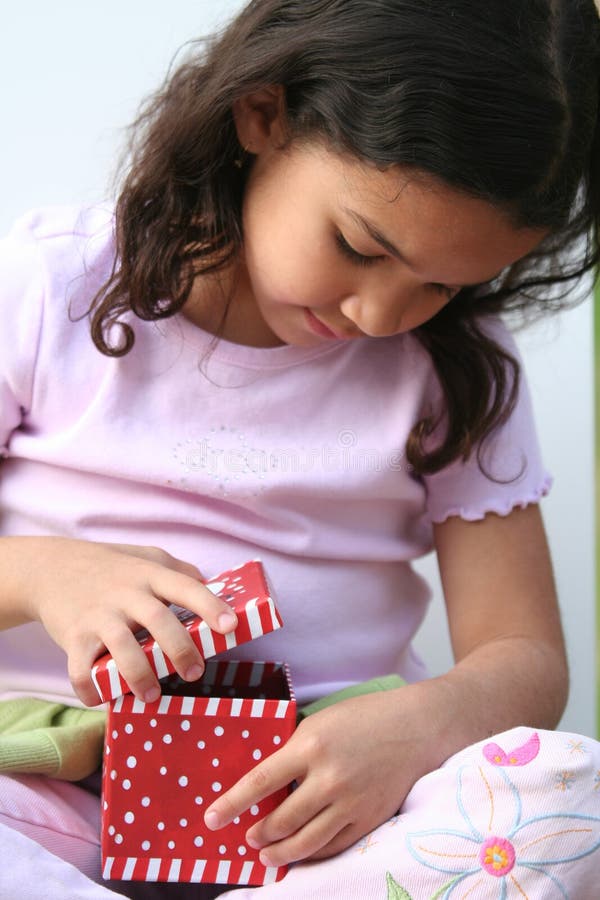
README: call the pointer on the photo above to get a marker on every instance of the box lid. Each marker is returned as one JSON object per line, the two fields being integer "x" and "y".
{"x": 247, "y": 591}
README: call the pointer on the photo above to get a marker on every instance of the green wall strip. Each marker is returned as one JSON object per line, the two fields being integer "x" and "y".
{"x": 597, "y": 494}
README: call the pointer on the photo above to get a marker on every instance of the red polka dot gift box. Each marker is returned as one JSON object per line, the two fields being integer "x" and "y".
{"x": 166, "y": 761}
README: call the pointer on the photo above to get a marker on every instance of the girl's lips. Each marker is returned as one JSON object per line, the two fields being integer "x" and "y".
{"x": 321, "y": 329}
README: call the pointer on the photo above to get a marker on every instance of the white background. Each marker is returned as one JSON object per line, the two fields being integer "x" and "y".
{"x": 72, "y": 76}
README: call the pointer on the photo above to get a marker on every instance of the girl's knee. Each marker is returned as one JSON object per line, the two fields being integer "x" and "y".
{"x": 517, "y": 812}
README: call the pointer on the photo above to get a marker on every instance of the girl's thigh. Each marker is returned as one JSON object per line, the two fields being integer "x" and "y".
{"x": 516, "y": 816}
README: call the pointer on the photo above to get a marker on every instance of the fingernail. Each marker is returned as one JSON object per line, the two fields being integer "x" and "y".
{"x": 227, "y": 621}
{"x": 211, "y": 820}
{"x": 267, "y": 863}
{"x": 152, "y": 694}
{"x": 194, "y": 672}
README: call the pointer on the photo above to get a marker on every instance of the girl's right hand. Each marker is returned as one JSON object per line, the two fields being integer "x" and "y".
{"x": 91, "y": 597}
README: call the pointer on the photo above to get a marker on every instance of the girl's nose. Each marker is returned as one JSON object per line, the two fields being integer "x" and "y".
{"x": 374, "y": 316}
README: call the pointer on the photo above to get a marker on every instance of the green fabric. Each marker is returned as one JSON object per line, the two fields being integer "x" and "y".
{"x": 383, "y": 683}
{"x": 42, "y": 738}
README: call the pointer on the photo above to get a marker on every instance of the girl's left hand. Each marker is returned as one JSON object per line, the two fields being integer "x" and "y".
{"x": 354, "y": 763}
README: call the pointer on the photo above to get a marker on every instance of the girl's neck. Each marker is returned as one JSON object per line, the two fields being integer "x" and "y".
{"x": 223, "y": 304}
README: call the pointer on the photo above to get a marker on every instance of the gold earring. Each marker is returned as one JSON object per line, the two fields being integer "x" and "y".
{"x": 240, "y": 160}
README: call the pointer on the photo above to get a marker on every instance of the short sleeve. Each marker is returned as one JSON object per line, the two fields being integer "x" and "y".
{"x": 21, "y": 308}
{"x": 505, "y": 471}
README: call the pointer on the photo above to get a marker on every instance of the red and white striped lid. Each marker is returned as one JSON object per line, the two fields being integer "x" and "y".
{"x": 247, "y": 591}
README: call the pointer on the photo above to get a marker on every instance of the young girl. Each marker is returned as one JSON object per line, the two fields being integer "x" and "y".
{"x": 285, "y": 342}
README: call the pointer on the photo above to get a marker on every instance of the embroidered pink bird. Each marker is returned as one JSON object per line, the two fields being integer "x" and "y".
{"x": 520, "y": 756}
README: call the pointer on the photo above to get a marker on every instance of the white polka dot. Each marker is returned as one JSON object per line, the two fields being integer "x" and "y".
{"x": 118, "y": 838}
{"x": 167, "y": 739}
{"x": 129, "y": 728}
{"x": 219, "y": 730}
{"x": 216, "y": 786}
{"x": 131, "y": 762}
{"x": 245, "y": 734}
{"x": 183, "y": 780}
{"x": 198, "y": 841}
{"x": 129, "y": 817}
{"x": 254, "y": 810}
{"x": 148, "y": 745}
{"x": 198, "y": 801}
{"x": 163, "y": 770}
{"x": 236, "y": 821}
{"x": 183, "y": 823}
{"x": 185, "y": 725}
{"x": 276, "y": 739}
{"x": 113, "y": 774}
{"x": 215, "y": 762}
{"x": 171, "y": 845}
{"x": 201, "y": 745}
{"x": 145, "y": 845}
{"x": 105, "y": 804}
{"x": 222, "y": 849}
{"x": 107, "y": 749}
{"x": 115, "y": 734}
{"x": 161, "y": 826}
{"x": 242, "y": 850}
{"x": 256, "y": 754}
{"x": 145, "y": 801}
{"x": 126, "y": 784}
{"x": 216, "y": 587}
{"x": 152, "y": 723}
{"x": 111, "y": 829}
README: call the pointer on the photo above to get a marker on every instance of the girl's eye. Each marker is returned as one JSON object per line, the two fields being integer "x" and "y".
{"x": 357, "y": 258}
{"x": 360, "y": 259}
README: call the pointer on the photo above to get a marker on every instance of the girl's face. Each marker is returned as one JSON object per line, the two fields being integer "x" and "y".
{"x": 336, "y": 250}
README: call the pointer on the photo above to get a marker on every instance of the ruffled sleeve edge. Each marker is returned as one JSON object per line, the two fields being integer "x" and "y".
{"x": 494, "y": 505}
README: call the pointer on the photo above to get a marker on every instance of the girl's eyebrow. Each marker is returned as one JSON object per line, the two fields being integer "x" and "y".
{"x": 391, "y": 248}
{"x": 377, "y": 236}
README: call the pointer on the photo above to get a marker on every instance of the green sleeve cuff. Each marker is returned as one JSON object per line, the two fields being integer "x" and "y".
{"x": 42, "y": 738}
{"x": 382, "y": 683}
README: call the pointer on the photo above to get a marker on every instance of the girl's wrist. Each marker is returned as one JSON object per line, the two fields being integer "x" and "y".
{"x": 438, "y": 704}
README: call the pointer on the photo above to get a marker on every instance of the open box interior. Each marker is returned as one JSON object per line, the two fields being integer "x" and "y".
{"x": 245, "y": 680}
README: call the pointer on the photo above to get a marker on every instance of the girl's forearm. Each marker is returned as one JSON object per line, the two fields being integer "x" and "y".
{"x": 499, "y": 685}
{"x": 19, "y": 557}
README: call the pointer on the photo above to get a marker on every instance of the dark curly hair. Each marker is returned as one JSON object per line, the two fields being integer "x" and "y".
{"x": 498, "y": 100}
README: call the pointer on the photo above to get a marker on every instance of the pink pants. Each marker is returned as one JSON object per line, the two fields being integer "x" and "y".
{"x": 516, "y": 816}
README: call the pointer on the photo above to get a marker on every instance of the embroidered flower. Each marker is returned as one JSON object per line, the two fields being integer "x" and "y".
{"x": 500, "y": 854}
{"x": 564, "y": 780}
{"x": 366, "y": 843}
{"x": 497, "y": 856}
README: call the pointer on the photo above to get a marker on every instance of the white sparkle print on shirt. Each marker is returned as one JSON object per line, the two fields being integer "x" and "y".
{"x": 226, "y": 458}
{"x": 226, "y": 461}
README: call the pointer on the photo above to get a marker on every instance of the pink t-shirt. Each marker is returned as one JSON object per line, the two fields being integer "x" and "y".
{"x": 220, "y": 453}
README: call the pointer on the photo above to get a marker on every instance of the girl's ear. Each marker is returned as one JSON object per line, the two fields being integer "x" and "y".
{"x": 260, "y": 119}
